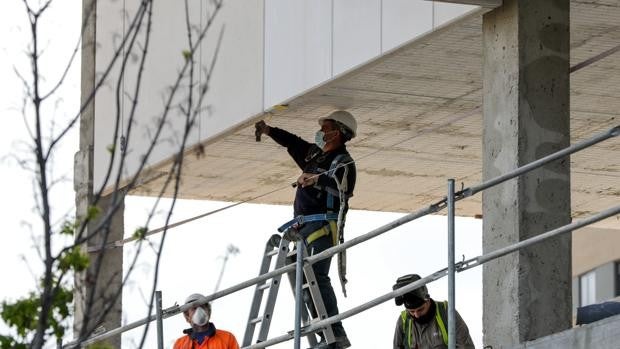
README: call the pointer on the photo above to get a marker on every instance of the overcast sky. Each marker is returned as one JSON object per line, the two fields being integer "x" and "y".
{"x": 193, "y": 253}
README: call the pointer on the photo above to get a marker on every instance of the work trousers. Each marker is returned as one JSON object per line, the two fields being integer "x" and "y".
{"x": 321, "y": 272}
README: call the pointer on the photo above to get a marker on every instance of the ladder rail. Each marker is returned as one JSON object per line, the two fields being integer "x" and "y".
{"x": 309, "y": 285}
{"x": 263, "y": 332}
{"x": 253, "y": 318}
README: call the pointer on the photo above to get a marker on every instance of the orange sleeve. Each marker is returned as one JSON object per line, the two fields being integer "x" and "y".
{"x": 232, "y": 342}
{"x": 179, "y": 344}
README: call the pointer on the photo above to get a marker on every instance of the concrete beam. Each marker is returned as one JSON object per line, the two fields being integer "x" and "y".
{"x": 526, "y": 295}
{"x": 481, "y": 3}
{"x": 600, "y": 334}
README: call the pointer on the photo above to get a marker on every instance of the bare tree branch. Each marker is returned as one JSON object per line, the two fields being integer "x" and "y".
{"x": 51, "y": 247}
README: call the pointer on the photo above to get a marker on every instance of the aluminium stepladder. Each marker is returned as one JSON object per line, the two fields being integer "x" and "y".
{"x": 279, "y": 247}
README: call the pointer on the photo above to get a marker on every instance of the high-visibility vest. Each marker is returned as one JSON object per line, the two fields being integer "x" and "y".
{"x": 407, "y": 323}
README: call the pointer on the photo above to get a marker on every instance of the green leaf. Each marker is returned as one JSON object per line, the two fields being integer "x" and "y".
{"x": 73, "y": 259}
{"x": 68, "y": 228}
{"x": 92, "y": 212}
{"x": 110, "y": 148}
{"x": 23, "y": 314}
{"x": 140, "y": 233}
{"x": 7, "y": 342}
{"x": 187, "y": 54}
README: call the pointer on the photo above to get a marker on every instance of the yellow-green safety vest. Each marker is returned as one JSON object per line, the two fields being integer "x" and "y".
{"x": 407, "y": 323}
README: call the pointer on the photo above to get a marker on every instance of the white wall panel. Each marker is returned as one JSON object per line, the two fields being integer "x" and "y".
{"x": 445, "y": 12}
{"x": 403, "y": 20}
{"x": 237, "y": 91}
{"x": 357, "y": 33}
{"x": 235, "y": 88}
{"x": 297, "y": 47}
{"x": 271, "y": 51}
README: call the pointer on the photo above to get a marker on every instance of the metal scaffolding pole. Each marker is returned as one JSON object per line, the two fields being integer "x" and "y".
{"x": 612, "y": 132}
{"x": 160, "y": 323}
{"x": 451, "y": 269}
{"x": 298, "y": 284}
{"x": 438, "y": 275}
{"x": 174, "y": 310}
{"x": 474, "y": 262}
{"x": 433, "y": 208}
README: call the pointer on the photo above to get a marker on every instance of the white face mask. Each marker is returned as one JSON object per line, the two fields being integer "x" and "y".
{"x": 200, "y": 317}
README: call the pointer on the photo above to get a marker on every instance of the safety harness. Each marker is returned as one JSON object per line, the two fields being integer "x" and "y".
{"x": 335, "y": 221}
{"x": 440, "y": 314}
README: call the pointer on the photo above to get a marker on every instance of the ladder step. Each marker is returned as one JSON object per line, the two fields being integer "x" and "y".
{"x": 256, "y": 320}
{"x": 280, "y": 247}
{"x": 264, "y": 286}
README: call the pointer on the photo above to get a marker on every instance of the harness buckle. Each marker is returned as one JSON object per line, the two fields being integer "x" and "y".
{"x": 301, "y": 219}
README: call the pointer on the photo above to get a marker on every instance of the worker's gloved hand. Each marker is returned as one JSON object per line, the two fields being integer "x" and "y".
{"x": 307, "y": 179}
{"x": 261, "y": 128}
{"x": 291, "y": 234}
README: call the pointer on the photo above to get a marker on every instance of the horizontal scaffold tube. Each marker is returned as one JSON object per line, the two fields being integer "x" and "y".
{"x": 471, "y": 263}
{"x": 174, "y": 310}
{"x": 439, "y": 274}
{"x": 612, "y": 132}
{"x": 436, "y": 207}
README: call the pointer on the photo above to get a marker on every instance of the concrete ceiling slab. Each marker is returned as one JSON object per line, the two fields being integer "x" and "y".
{"x": 419, "y": 117}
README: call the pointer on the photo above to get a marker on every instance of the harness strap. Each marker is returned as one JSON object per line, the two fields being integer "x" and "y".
{"x": 342, "y": 185}
{"x": 332, "y": 173}
{"x": 301, "y": 219}
{"x": 323, "y": 231}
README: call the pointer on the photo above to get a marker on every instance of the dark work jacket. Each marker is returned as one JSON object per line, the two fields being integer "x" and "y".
{"x": 428, "y": 335}
{"x": 311, "y": 159}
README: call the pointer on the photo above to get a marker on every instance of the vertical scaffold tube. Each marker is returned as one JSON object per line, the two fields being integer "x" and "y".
{"x": 451, "y": 270}
{"x": 298, "y": 297}
{"x": 159, "y": 319}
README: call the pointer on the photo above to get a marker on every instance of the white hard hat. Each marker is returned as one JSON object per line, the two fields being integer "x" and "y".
{"x": 198, "y": 297}
{"x": 343, "y": 117}
{"x": 194, "y": 297}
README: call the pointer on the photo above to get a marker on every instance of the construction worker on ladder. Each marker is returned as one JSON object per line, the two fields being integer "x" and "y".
{"x": 424, "y": 322}
{"x": 321, "y": 201}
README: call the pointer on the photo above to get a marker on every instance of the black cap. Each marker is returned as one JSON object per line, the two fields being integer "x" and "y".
{"x": 413, "y": 299}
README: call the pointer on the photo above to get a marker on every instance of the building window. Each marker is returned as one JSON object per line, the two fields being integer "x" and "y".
{"x": 587, "y": 288}
{"x": 617, "y": 278}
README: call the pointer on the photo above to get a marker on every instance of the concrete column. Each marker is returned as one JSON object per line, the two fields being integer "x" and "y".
{"x": 526, "y": 116}
{"x": 98, "y": 295}
{"x": 94, "y": 289}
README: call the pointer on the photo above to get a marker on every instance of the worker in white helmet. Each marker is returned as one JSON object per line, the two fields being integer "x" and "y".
{"x": 324, "y": 187}
{"x": 203, "y": 334}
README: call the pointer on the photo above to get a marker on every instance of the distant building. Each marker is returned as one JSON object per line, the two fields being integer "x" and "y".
{"x": 596, "y": 266}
